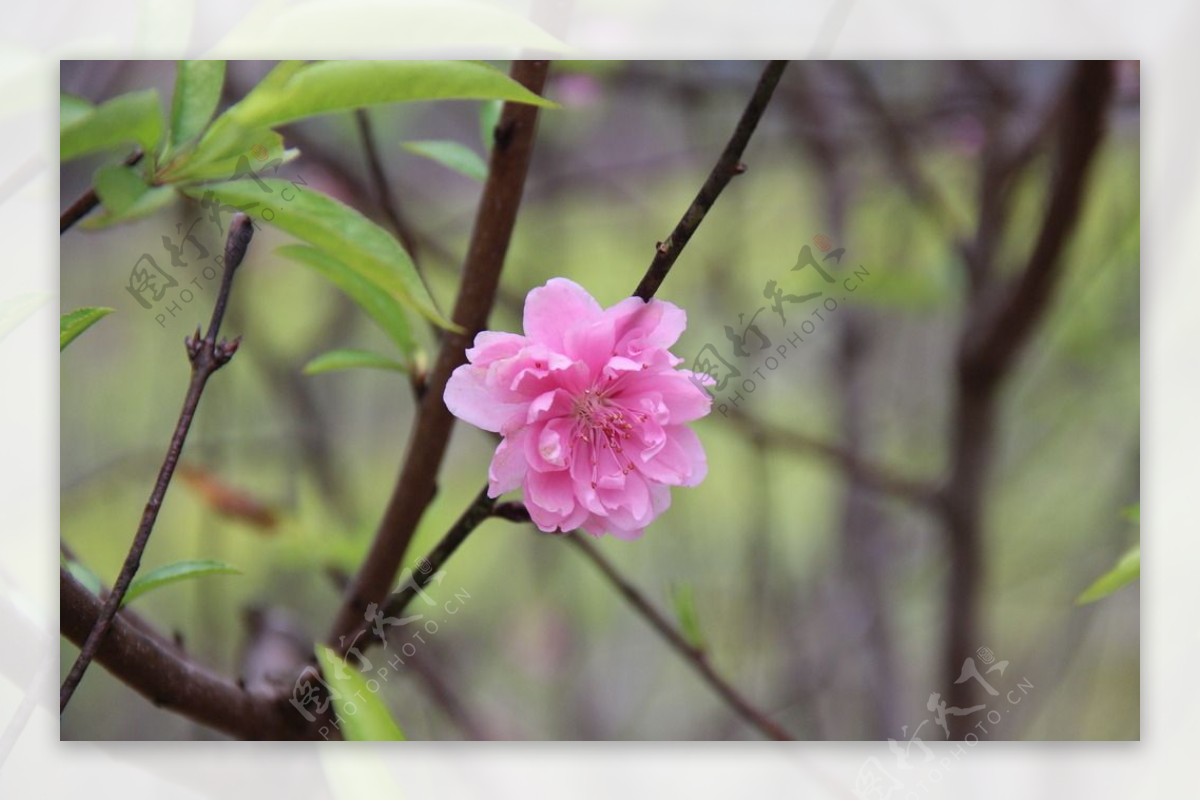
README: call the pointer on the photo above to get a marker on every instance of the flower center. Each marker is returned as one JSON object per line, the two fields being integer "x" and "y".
{"x": 604, "y": 424}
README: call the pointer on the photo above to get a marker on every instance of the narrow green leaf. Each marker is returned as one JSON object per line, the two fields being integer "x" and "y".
{"x": 14, "y": 310}
{"x": 384, "y": 309}
{"x": 149, "y": 202}
{"x": 349, "y": 358}
{"x": 489, "y": 118}
{"x": 130, "y": 118}
{"x": 685, "y": 610}
{"x": 361, "y": 712}
{"x": 176, "y": 572}
{"x": 453, "y": 155}
{"x": 260, "y": 152}
{"x": 1128, "y": 569}
{"x": 338, "y": 230}
{"x": 332, "y": 86}
{"x": 75, "y": 323}
{"x": 197, "y": 92}
{"x": 72, "y": 109}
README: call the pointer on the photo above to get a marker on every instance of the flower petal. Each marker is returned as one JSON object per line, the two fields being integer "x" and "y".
{"x": 552, "y": 309}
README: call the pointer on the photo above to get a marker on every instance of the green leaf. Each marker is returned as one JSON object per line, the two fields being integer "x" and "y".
{"x": 257, "y": 151}
{"x": 151, "y": 201}
{"x": 489, "y": 118}
{"x": 118, "y": 186}
{"x": 349, "y": 358}
{"x": 75, "y": 323}
{"x": 685, "y": 609}
{"x": 361, "y": 712}
{"x": 198, "y": 87}
{"x": 384, "y": 309}
{"x": 14, "y": 310}
{"x": 338, "y": 230}
{"x": 333, "y": 86}
{"x": 1128, "y": 569}
{"x": 457, "y": 157}
{"x": 130, "y": 118}
{"x": 72, "y": 109}
{"x": 176, "y": 572}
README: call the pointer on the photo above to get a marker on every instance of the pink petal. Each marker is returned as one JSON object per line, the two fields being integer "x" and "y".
{"x": 552, "y": 309}
{"x": 469, "y": 398}
{"x": 509, "y": 466}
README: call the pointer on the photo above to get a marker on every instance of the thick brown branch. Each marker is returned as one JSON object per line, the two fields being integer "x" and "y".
{"x": 433, "y": 423}
{"x": 157, "y": 670}
{"x": 994, "y": 332}
{"x": 206, "y": 356}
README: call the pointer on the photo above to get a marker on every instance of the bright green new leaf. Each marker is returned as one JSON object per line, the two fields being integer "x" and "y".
{"x": 348, "y": 358}
{"x": 336, "y": 229}
{"x": 176, "y": 572}
{"x": 489, "y": 118}
{"x": 75, "y": 323}
{"x": 453, "y": 155}
{"x": 387, "y": 313}
{"x": 14, "y": 310}
{"x": 362, "y": 714}
{"x": 260, "y": 152}
{"x": 118, "y": 186}
{"x": 685, "y": 610}
{"x": 72, "y": 109}
{"x": 333, "y": 86}
{"x": 130, "y": 118}
{"x": 125, "y": 196}
{"x": 197, "y": 92}
{"x": 149, "y": 202}
{"x": 1128, "y": 569}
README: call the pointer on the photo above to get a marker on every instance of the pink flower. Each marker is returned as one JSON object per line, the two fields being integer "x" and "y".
{"x": 591, "y": 408}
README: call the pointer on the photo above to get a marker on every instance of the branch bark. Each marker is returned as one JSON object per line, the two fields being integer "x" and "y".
{"x": 206, "y": 356}
{"x": 158, "y": 670}
{"x": 433, "y": 423}
{"x": 84, "y": 204}
{"x": 996, "y": 327}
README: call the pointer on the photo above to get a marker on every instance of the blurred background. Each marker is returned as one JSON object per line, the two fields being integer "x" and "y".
{"x": 810, "y": 564}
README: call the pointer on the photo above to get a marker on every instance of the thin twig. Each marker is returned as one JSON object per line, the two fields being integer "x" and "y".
{"x": 206, "y": 356}
{"x": 695, "y": 657}
{"x": 379, "y": 182}
{"x": 433, "y": 422}
{"x": 877, "y": 477}
{"x": 87, "y": 201}
{"x": 728, "y": 165}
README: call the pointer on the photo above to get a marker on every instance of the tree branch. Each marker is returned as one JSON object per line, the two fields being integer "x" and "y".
{"x": 728, "y": 165}
{"x": 206, "y": 356}
{"x": 995, "y": 329}
{"x": 433, "y": 423}
{"x": 873, "y": 476}
{"x": 159, "y": 671}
